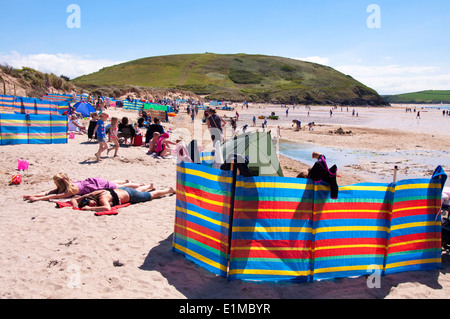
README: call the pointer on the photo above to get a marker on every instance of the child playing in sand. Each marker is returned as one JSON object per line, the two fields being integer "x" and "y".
{"x": 113, "y": 131}
{"x": 101, "y": 135}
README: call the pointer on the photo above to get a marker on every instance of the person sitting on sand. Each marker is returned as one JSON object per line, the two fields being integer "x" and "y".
{"x": 163, "y": 147}
{"x": 155, "y": 127}
{"x": 104, "y": 200}
{"x": 153, "y": 143}
{"x": 74, "y": 125}
{"x": 65, "y": 188}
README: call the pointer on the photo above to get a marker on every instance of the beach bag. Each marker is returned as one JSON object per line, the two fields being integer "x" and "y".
{"x": 16, "y": 180}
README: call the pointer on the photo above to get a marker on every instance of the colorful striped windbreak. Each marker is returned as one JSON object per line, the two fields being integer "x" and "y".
{"x": 32, "y": 129}
{"x": 289, "y": 229}
{"x": 25, "y": 105}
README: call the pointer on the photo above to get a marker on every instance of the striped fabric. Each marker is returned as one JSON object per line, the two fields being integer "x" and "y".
{"x": 58, "y": 98}
{"x": 289, "y": 229}
{"x": 415, "y": 234}
{"x": 272, "y": 229}
{"x": 202, "y": 216}
{"x": 6, "y": 103}
{"x": 350, "y": 233}
{"x": 133, "y": 105}
{"x": 32, "y": 129}
{"x": 157, "y": 114}
{"x": 207, "y": 158}
{"x": 23, "y": 105}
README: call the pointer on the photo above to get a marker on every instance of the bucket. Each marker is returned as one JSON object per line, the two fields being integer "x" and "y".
{"x": 22, "y": 165}
{"x": 138, "y": 140}
{"x": 72, "y": 136}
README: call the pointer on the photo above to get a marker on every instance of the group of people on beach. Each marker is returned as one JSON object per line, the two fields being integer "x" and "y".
{"x": 98, "y": 194}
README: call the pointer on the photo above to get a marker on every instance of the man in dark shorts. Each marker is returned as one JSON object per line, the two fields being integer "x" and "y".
{"x": 215, "y": 125}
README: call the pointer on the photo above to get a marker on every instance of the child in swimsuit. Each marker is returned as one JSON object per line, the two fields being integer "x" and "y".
{"x": 113, "y": 131}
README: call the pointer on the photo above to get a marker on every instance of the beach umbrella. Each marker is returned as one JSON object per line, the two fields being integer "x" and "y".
{"x": 84, "y": 108}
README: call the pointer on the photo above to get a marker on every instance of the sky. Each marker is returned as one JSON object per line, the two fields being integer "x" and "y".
{"x": 392, "y": 46}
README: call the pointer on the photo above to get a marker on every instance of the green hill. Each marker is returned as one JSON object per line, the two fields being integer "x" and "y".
{"x": 422, "y": 97}
{"x": 238, "y": 77}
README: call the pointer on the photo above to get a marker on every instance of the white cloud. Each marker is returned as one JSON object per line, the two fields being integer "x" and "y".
{"x": 315, "y": 59}
{"x": 59, "y": 64}
{"x": 395, "y": 79}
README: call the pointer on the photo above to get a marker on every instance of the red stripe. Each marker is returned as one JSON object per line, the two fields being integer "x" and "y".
{"x": 418, "y": 245}
{"x": 198, "y": 237}
{"x": 274, "y": 254}
{"x": 349, "y": 251}
{"x": 205, "y": 205}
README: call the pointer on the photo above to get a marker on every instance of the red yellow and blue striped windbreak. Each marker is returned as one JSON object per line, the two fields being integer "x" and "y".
{"x": 289, "y": 229}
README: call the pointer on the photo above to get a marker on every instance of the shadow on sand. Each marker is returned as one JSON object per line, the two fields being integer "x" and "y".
{"x": 194, "y": 282}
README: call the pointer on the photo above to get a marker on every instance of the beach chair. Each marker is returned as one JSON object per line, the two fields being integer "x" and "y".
{"x": 124, "y": 135}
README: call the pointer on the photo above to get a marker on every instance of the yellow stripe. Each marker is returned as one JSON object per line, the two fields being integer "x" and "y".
{"x": 269, "y": 272}
{"x": 415, "y": 242}
{"x": 201, "y": 234}
{"x": 415, "y": 208}
{"x": 277, "y": 210}
{"x": 192, "y": 213}
{"x": 274, "y": 185}
{"x": 332, "y": 211}
{"x": 334, "y": 269}
{"x": 416, "y": 186}
{"x": 350, "y": 228}
{"x": 367, "y": 188}
{"x": 413, "y": 262}
{"x": 273, "y": 229}
{"x": 349, "y": 246}
{"x": 200, "y": 257}
{"x": 272, "y": 248}
{"x": 211, "y": 177}
{"x": 418, "y": 224}
{"x": 205, "y": 200}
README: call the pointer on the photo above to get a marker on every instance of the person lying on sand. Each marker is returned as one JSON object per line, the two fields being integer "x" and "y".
{"x": 104, "y": 200}
{"x": 65, "y": 188}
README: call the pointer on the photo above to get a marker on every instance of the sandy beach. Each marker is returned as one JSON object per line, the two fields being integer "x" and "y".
{"x": 61, "y": 253}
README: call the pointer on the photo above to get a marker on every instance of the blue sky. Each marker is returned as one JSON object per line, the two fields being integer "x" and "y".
{"x": 408, "y": 51}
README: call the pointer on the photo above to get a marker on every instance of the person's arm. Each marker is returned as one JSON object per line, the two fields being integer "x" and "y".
{"x": 52, "y": 196}
{"x": 104, "y": 206}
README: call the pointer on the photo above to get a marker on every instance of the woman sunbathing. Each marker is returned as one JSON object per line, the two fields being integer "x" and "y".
{"x": 65, "y": 188}
{"x": 104, "y": 200}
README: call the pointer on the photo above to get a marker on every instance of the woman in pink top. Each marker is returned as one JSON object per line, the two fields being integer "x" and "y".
{"x": 65, "y": 188}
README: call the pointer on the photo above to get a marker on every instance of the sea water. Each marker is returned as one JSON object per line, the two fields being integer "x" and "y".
{"x": 418, "y": 162}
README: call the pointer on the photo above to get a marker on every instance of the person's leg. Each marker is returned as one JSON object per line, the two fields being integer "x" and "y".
{"x": 162, "y": 192}
{"x": 145, "y": 188}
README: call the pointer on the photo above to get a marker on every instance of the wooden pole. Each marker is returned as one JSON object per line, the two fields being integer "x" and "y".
{"x": 395, "y": 173}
